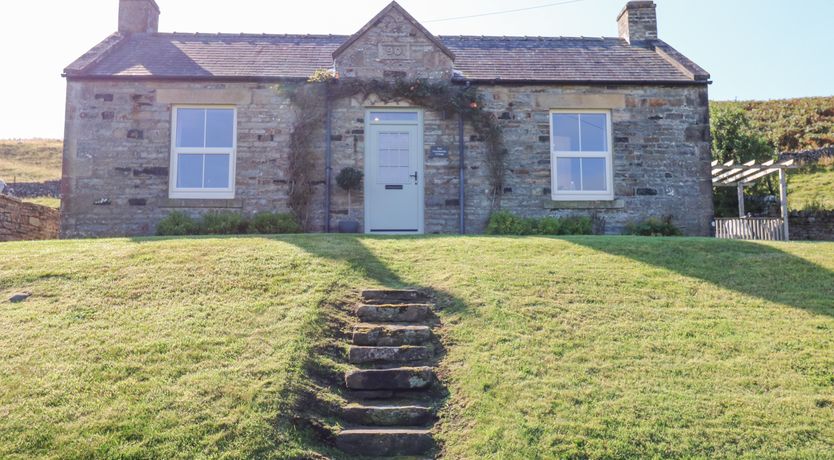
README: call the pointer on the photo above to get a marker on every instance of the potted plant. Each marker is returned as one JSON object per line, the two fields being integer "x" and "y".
{"x": 349, "y": 179}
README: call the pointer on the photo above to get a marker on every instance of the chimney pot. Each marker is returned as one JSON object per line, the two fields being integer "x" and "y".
{"x": 138, "y": 17}
{"x": 638, "y": 22}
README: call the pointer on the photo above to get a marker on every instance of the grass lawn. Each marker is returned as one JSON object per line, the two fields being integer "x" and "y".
{"x": 30, "y": 160}
{"x": 45, "y": 201}
{"x": 812, "y": 185}
{"x": 585, "y": 347}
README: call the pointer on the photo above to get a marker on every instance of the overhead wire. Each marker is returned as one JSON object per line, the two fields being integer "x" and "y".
{"x": 495, "y": 13}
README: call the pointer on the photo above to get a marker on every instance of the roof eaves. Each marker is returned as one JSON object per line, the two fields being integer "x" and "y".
{"x": 93, "y": 56}
{"x": 189, "y": 78}
{"x": 506, "y": 81}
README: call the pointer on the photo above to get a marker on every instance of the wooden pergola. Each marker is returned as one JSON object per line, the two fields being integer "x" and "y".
{"x": 731, "y": 174}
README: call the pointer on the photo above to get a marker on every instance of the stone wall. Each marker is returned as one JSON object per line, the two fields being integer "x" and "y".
{"x": 117, "y": 155}
{"x": 661, "y": 154}
{"x": 809, "y": 156}
{"x": 812, "y": 226}
{"x": 51, "y": 188}
{"x": 26, "y": 221}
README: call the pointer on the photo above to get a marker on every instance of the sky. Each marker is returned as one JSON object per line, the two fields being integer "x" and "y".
{"x": 754, "y": 49}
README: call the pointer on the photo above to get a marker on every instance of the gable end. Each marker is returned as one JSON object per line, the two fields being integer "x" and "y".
{"x": 393, "y": 45}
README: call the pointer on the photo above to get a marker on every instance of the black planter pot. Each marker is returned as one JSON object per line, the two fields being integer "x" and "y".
{"x": 348, "y": 226}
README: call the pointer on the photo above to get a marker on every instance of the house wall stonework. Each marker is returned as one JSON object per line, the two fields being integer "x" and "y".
{"x": 394, "y": 48}
{"x": 117, "y": 155}
{"x": 118, "y": 146}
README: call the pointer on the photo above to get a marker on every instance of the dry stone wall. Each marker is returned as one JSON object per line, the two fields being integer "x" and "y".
{"x": 812, "y": 226}
{"x": 26, "y": 221}
{"x": 50, "y": 188}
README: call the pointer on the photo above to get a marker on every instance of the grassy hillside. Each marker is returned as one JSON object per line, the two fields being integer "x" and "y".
{"x": 31, "y": 160}
{"x": 584, "y": 347}
{"x": 812, "y": 187}
{"x": 792, "y": 124}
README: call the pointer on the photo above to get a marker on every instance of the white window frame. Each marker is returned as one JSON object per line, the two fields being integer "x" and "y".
{"x": 579, "y": 195}
{"x": 175, "y": 192}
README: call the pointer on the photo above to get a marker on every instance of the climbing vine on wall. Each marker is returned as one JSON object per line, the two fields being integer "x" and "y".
{"x": 310, "y": 102}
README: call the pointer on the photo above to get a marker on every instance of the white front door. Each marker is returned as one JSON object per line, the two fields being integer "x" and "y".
{"x": 394, "y": 172}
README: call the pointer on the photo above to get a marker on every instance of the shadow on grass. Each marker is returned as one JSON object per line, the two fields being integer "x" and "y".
{"x": 749, "y": 268}
{"x": 361, "y": 260}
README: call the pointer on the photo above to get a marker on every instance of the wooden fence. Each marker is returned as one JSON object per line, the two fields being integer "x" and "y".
{"x": 750, "y": 228}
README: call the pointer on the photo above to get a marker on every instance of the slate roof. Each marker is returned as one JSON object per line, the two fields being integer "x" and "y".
{"x": 264, "y": 57}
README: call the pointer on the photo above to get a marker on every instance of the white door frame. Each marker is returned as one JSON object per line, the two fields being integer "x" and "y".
{"x": 421, "y": 182}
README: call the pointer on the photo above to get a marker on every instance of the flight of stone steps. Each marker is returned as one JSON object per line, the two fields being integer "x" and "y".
{"x": 393, "y": 391}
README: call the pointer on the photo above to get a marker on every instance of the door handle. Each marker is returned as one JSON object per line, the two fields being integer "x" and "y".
{"x": 415, "y": 176}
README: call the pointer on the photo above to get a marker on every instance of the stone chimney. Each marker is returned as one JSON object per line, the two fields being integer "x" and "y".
{"x": 138, "y": 17}
{"x": 638, "y": 22}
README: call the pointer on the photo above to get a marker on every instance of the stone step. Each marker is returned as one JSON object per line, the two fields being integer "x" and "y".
{"x": 402, "y": 378}
{"x": 372, "y": 394}
{"x": 388, "y": 415}
{"x": 406, "y": 313}
{"x": 390, "y": 295}
{"x": 394, "y": 441}
{"x": 390, "y": 335}
{"x": 404, "y": 354}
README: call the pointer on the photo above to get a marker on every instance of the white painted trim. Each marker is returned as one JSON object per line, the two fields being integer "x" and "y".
{"x": 421, "y": 154}
{"x": 608, "y": 155}
{"x": 199, "y": 193}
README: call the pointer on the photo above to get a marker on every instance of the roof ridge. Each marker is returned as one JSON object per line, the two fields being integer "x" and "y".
{"x": 526, "y": 37}
{"x": 244, "y": 34}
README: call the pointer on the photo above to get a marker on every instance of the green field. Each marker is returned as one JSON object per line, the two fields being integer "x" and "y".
{"x": 45, "y": 201}
{"x": 30, "y": 160}
{"x": 581, "y": 347}
{"x": 812, "y": 186}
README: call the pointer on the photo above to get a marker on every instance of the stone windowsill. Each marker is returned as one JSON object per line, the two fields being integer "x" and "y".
{"x": 197, "y": 203}
{"x": 608, "y": 204}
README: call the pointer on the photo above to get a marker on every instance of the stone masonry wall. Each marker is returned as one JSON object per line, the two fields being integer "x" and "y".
{"x": 26, "y": 221}
{"x": 812, "y": 226}
{"x": 661, "y": 154}
{"x": 51, "y": 188}
{"x": 117, "y": 155}
{"x": 394, "y": 48}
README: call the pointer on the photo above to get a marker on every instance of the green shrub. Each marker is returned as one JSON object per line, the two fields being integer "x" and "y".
{"x": 549, "y": 226}
{"x": 274, "y": 223}
{"x": 653, "y": 227}
{"x": 178, "y": 224}
{"x": 349, "y": 179}
{"x": 575, "y": 226}
{"x": 224, "y": 223}
{"x": 506, "y": 223}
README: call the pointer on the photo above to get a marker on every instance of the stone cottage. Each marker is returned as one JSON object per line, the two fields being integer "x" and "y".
{"x": 617, "y": 128}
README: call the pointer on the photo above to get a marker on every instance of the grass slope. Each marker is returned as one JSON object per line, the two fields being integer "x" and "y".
{"x": 585, "y": 347}
{"x": 165, "y": 349}
{"x": 31, "y": 160}
{"x": 811, "y": 187}
{"x": 45, "y": 201}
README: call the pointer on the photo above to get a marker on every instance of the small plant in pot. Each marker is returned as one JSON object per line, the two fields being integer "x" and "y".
{"x": 349, "y": 179}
